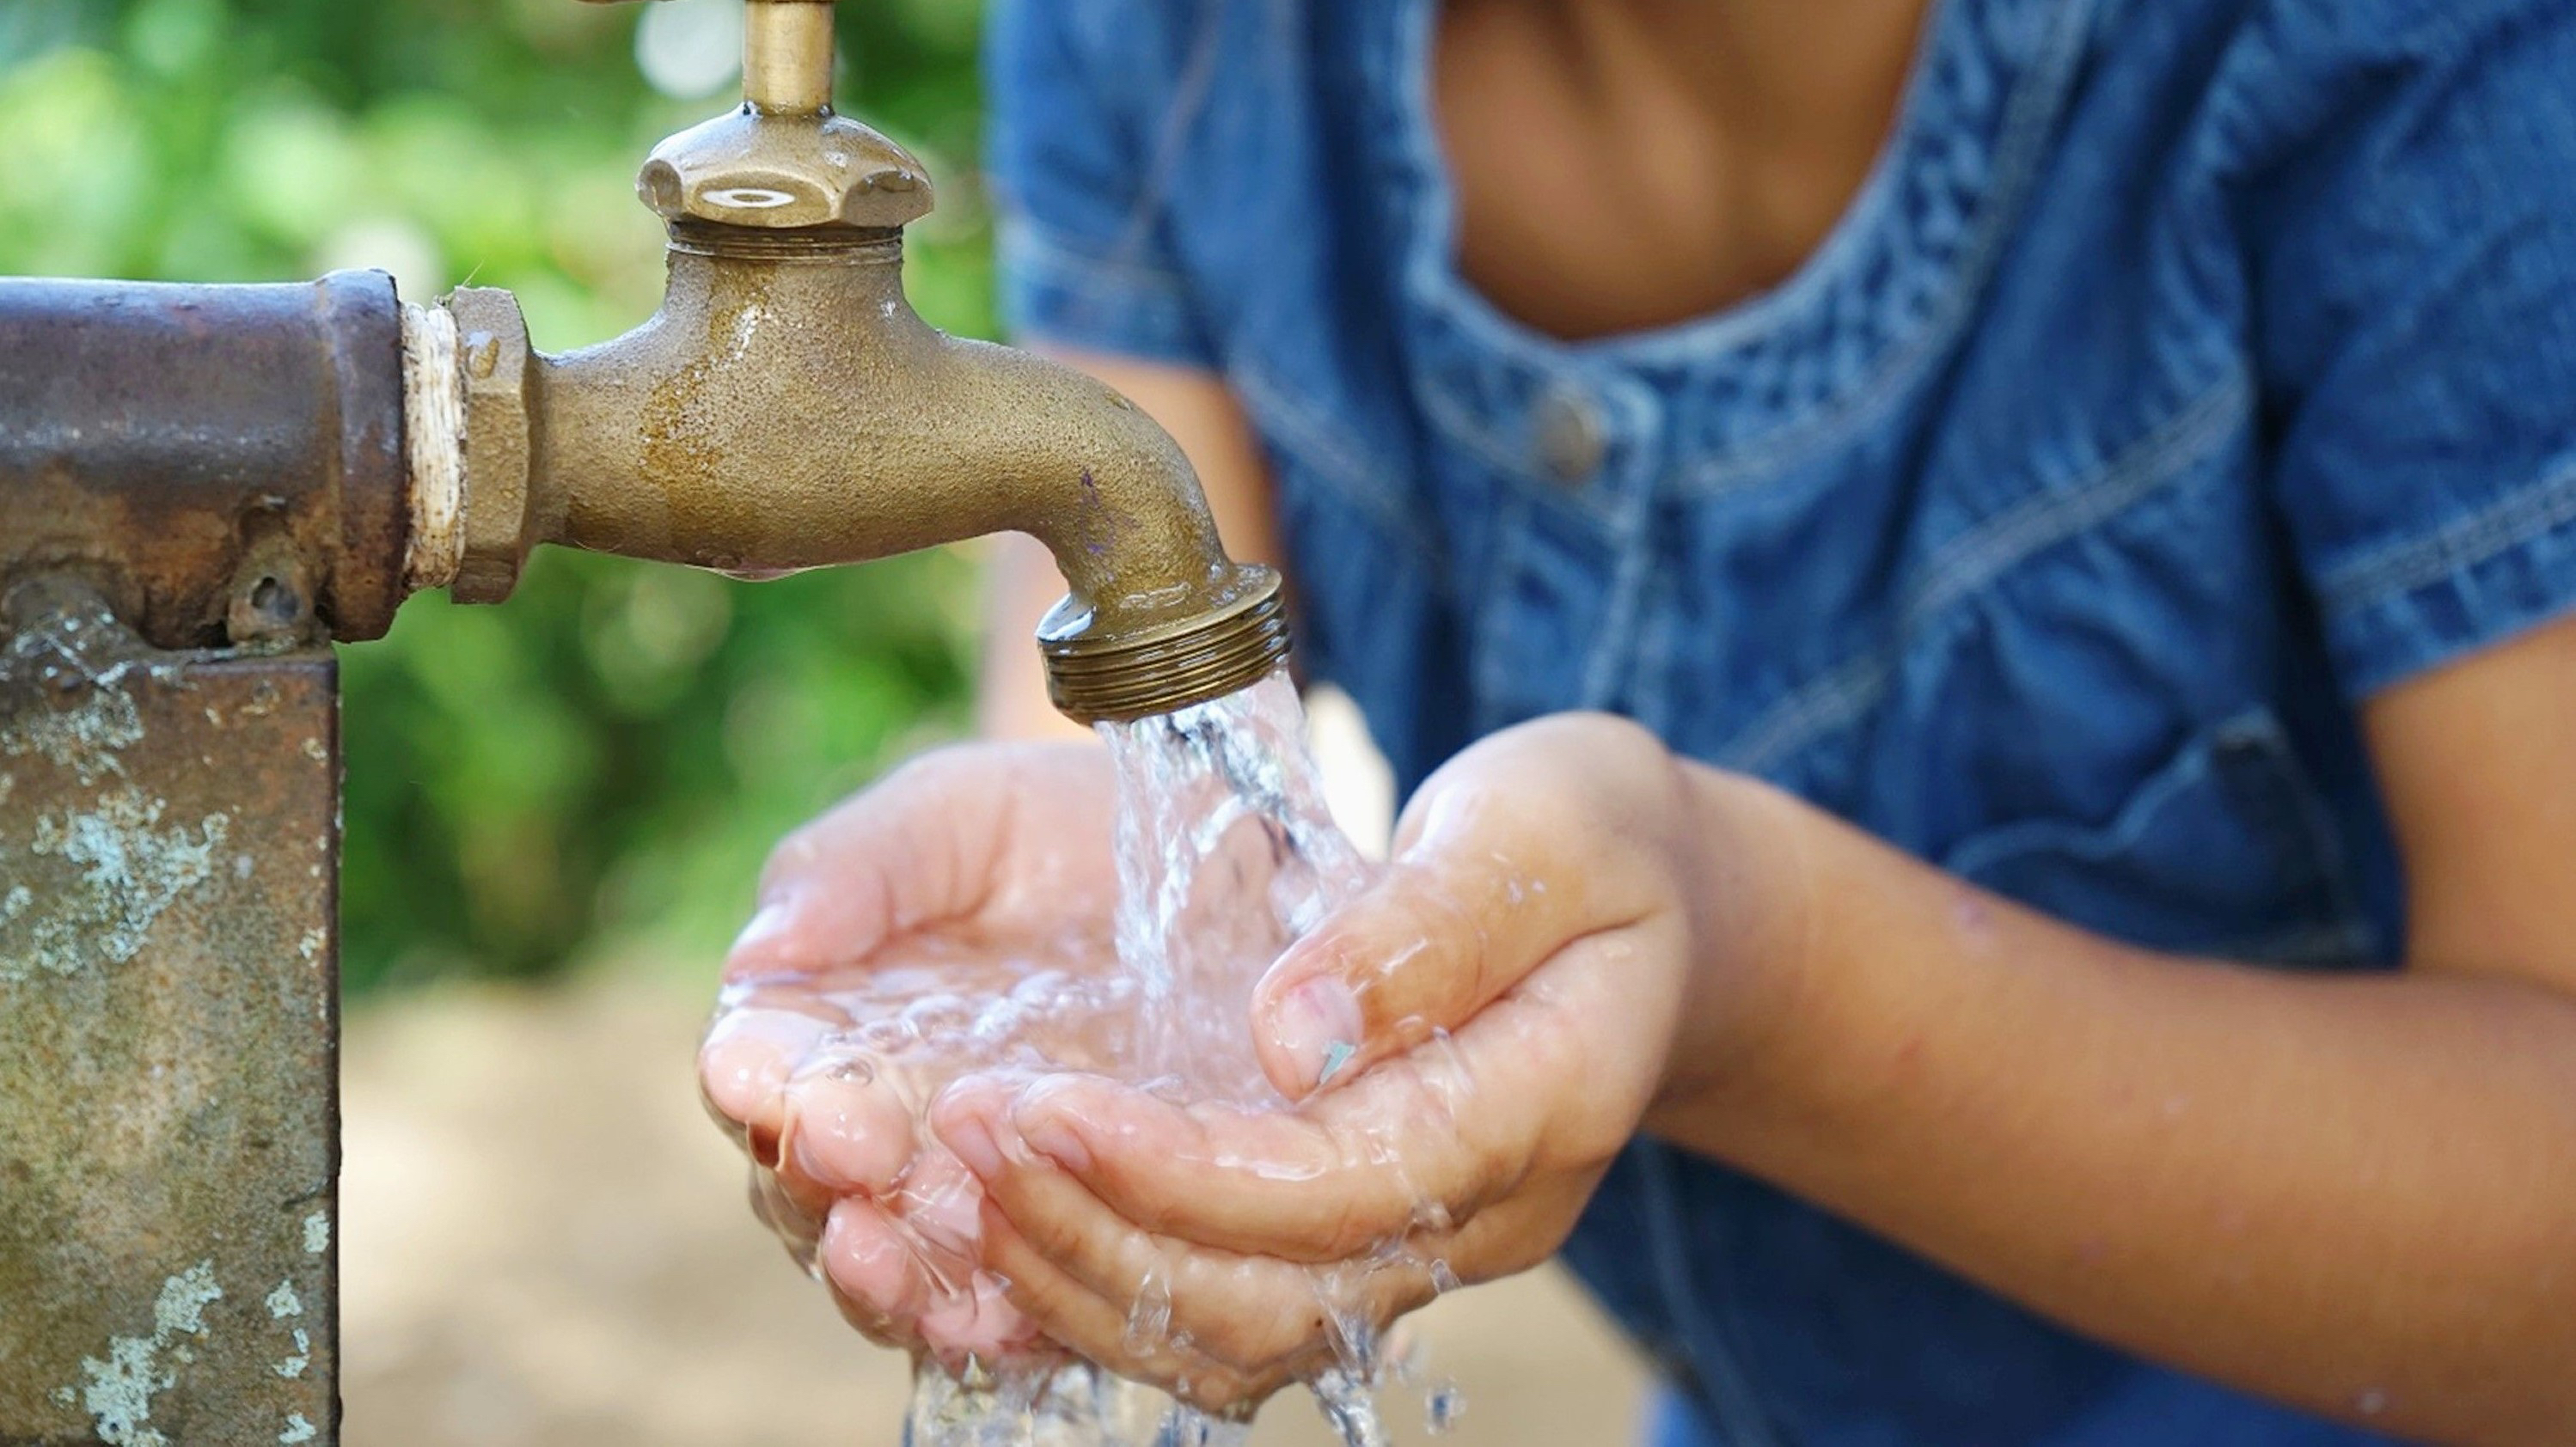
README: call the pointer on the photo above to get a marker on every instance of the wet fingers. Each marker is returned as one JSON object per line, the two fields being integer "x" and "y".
{"x": 849, "y": 1131}
{"x": 1091, "y": 1326}
{"x": 1266, "y": 1183}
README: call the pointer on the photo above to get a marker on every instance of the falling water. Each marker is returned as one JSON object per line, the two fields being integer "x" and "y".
{"x": 1226, "y": 853}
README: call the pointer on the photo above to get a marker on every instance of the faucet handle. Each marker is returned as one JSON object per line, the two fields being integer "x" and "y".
{"x": 783, "y": 160}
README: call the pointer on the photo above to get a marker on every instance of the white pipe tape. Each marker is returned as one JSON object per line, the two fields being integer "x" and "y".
{"x": 434, "y": 439}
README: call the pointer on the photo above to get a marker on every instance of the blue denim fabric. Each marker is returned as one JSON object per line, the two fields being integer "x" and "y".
{"x": 2188, "y": 371}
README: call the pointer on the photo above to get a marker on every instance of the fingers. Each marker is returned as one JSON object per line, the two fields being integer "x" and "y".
{"x": 1480, "y": 899}
{"x": 1428, "y": 1139}
{"x": 978, "y": 1322}
{"x": 938, "y": 840}
{"x": 1532, "y": 1088}
{"x": 915, "y": 847}
{"x": 1221, "y": 1330}
{"x": 828, "y": 1121}
{"x": 883, "y": 1286}
{"x": 868, "y": 1261}
{"x": 1259, "y": 1183}
{"x": 745, "y": 1063}
{"x": 1250, "y": 1313}
{"x": 847, "y": 1131}
{"x": 1088, "y": 1325}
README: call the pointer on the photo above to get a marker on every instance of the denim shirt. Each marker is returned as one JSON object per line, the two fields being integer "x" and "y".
{"x": 2187, "y": 372}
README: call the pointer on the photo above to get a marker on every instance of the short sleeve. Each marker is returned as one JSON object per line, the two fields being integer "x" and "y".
{"x": 2415, "y": 260}
{"x": 1074, "y": 88}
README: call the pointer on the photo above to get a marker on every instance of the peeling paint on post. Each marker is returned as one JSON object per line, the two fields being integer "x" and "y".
{"x": 168, "y": 1037}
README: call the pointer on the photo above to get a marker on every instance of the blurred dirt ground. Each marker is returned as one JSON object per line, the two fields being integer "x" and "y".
{"x": 544, "y": 1242}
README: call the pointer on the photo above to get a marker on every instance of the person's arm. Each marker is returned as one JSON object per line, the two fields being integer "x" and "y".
{"x": 1022, "y": 581}
{"x": 2354, "y": 1193}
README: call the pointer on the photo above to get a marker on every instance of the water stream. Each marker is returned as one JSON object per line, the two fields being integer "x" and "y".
{"x": 1225, "y": 854}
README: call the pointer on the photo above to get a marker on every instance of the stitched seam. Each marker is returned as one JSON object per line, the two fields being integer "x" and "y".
{"x": 2048, "y": 517}
{"x": 2341, "y": 943}
{"x": 1492, "y": 659}
{"x": 2344, "y": 935}
{"x": 1466, "y": 431}
{"x": 2149, "y": 465}
{"x": 2396, "y": 569}
{"x": 2094, "y": 842}
{"x": 1172, "y": 134}
{"x": 1741, "y": 1419}
{"x": 2029, "y": 123}
{"x": 1616, "y": 639}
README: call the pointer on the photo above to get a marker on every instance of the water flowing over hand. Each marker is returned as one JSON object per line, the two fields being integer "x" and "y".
{"x": 1307, "y": 1097}
{"x": 956, "y": 917}
{"x": 1470, "y": 1042}
{"x": 952, "y": 920}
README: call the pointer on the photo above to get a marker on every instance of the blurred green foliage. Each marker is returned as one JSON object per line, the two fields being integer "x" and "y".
{"x": 598, "y": 766}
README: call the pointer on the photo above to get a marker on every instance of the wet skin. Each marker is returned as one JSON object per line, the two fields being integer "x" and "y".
{"x": 2345, "y": 1192}
{"x": 973, "y": 865}
{"x": 2375, "y": 1225}
{"x": 1463, "y": 1145}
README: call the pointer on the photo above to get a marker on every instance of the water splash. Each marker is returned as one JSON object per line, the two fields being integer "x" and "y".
{"x": 1226, "y": 853}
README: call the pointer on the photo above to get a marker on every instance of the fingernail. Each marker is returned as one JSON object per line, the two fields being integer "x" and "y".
{"x": 1336, "y": 1055}
{"x": 771, "y": 922}
{"x": 1319, "y": 1026}
{"x": 1060, "y": 1143}
{"x": 972, "y": 1139}
{"x": 808, "y": 1160}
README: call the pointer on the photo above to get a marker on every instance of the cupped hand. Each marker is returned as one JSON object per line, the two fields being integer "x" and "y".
{"x": 955, "y": 917}
{"x": 1471, "y": 1043}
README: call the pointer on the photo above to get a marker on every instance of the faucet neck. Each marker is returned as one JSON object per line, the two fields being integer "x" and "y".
{"x": 851, "y": 281}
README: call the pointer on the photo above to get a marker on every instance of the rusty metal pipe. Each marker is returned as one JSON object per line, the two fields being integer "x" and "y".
{"x": 224, "y": 462}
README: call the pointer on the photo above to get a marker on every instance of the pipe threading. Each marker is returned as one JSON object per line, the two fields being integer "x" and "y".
{"x": 836, "y": 244}
{"x": 1168, "y": 670}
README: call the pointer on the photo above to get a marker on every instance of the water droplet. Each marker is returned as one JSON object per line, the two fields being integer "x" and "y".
{"x": 1442, "y": 1408}
{"x": 1149, "y": 1317}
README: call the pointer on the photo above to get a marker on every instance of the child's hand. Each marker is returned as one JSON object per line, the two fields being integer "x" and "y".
{"x": 975, "y": 883}
{"x": 1474, "y": 1040}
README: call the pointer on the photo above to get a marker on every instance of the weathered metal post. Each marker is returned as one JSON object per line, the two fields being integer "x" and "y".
{"x": 198, "y": 488}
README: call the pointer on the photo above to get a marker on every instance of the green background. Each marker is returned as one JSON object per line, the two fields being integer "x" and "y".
{"x": 595, "y": 769}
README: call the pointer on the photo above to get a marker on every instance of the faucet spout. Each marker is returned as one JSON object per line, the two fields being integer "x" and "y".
{"x": 787, "y": 409}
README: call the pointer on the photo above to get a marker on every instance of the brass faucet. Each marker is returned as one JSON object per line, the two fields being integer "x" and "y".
{"x": 787, "y": 409}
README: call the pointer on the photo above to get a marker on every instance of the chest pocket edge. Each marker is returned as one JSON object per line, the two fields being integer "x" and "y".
{"x": 2226, "y": 849}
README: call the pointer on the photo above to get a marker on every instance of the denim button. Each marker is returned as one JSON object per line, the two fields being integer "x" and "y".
{"x": 1569, "y": 435}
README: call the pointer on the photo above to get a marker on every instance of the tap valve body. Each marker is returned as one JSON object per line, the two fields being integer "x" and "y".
{"x": 787, "y": 409}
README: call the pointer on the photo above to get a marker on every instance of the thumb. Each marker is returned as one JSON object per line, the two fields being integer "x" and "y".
{"x": 1478, "y": 900}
